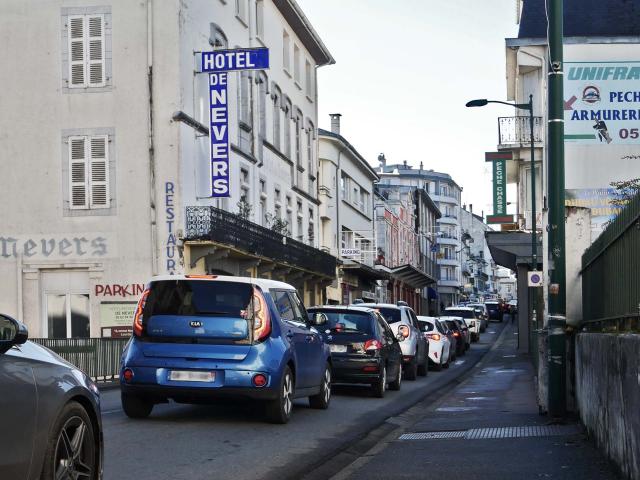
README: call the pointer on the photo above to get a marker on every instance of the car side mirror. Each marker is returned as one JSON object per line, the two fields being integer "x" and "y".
{"x": 400, "y": 337}
{"x": 319, "y": 319}
{"x": 12, "y": 333}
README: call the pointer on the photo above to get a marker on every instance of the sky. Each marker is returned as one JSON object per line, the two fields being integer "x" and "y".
{"x": 403, "y": 73}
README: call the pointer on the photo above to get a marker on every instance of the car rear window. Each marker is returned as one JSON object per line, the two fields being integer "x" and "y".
{"x": 461, "y": 313}
{"x": 198, "y": 297}
{"x": 391, "y": 315}
{"x": 492, "y": 306}
{"x": 347, "y": 322}
{"x": 425, "y": 326}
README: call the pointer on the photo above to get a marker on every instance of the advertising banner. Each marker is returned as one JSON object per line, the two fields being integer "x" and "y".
{"x": 116, "y": 319}
{"x": 499, "y": 161}
{"x": 596, "y": 199}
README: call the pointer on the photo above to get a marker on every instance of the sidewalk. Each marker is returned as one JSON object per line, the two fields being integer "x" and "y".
{"x": 469, "y": 433}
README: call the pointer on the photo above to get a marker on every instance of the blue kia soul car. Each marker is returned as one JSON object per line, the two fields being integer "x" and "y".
{"x": 198, "y": 338}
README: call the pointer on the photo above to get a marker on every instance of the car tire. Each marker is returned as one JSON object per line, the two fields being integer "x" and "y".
{"x": 135, "y": 407}
{"x": 279, "y": 409}
{"x": 411, "y": 370}
{"x": 378, "y": 388}
{"x": 423, "y": 369}
{"x": 397, "y": 383}
{"x": 323, "y": 398}
{"x": 71, "y": 447}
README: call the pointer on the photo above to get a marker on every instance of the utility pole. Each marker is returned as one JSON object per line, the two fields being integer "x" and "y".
{"x": 557, "y": 284}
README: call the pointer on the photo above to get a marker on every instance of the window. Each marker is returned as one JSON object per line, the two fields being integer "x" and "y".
{"x": 260, "y": 18}
{"x": 217, "y": 38}
{"x": 312, "y": 228}
{"x": 245, "y": 115}
{"x": 68, "y": 315}
{"x": 298, "y": 144}
{"x": 89, "y": 172}
{"x": 277, "y": 102}
{"x": 289, "y": 213}
{"x": 286, "y": 52}
{"x": 262, "y": 80}
{"x": 296, "y": 64}
{"x": 287, "y": 128}
{"x": 241, "y": 11}
{"x": 86, "y": 51}
{"x": 245, "y": 197}
{"x": 300, "y": 217}
{"x": 263, "y": 202}
{"x": 308, "y": 84}
{"x": 278, "y": 204}
{"x": 344, "y": 187}
{"x": 284, "y": 306}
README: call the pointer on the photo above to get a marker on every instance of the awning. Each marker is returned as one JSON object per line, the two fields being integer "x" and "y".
{"x": 412, "y": 276}
{"x": 365, "y": 271}
{"x": 509, "y": 249}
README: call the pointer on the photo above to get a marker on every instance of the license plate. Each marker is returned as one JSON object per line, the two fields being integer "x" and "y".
{"x": 338, "y": 348}
{"x": 191, "y": 376}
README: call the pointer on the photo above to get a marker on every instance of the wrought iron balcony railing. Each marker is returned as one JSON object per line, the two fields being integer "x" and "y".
{"x": 210, "y": 223}
{"x": 516, "y": 130}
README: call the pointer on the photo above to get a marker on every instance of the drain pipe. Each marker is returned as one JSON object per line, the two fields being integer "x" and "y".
{"x": 153, "y": 212}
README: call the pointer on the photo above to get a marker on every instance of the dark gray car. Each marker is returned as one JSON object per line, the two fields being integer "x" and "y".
{"x": 49, "y": 412}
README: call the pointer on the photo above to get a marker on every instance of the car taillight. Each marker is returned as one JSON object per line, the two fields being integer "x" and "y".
{"x": 456, "y": 334}
{"x": 138, "y": 327}
{"x": 372, "y": 345}
{"x": 434, "y": 336}
{"x": 261, "y": 316}
{"x": 403, "y": 330}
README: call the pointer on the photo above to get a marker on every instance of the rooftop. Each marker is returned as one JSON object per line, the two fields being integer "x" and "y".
{"x": 584, "y": 18}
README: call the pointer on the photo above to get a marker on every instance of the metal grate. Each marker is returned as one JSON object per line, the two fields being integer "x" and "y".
{"x": 498, "y": 432}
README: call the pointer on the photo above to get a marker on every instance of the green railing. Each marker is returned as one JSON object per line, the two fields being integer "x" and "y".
{"x": 611, "y": 275}
{"x": 97, "y": 357}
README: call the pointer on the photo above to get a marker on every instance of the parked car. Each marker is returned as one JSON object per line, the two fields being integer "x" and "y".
{"x": 363, "y": 347}
{"x": 458, "y": 334}
{"x": 415, "y": 348}
{"x": 200, "y": 337}
{"x": 495, "y": 310}
{"x": 513, "y": 307}
{"x": 471, "y": 319}
{"x": 439, "y": 344}
{"x": 483, "y": 312}
{"x": 49, "y": 412}
{"x": 447, "y": 332}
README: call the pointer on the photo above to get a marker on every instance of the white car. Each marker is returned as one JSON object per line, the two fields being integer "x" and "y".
{"x": 470, "y": 318}
{"x": 439, "y": 344}
{"x": 484, "y": 319}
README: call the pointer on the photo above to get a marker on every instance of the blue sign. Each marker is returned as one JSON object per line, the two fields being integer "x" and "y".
{"x": 219, "y": 134}
{"x": 434, "y": 248}
{"x": 232, "y": 60}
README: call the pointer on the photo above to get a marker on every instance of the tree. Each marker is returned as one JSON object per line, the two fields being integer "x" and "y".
{"x": 277, "y": 224}
{"x": 244, "y": 208}
{"x": 625, "y": 191}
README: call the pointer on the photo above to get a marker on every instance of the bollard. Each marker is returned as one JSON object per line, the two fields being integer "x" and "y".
{"x": 556, "y": 359}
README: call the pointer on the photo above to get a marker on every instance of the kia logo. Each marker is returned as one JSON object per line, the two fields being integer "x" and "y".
{"x": 195, "y": 323}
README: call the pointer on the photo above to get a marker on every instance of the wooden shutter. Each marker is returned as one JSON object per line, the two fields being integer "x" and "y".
{"x": 99, "y": 179}
{"x": 78, "y": 179}
{"x": 77, "y": 54}
{"x": 95, "y": 46}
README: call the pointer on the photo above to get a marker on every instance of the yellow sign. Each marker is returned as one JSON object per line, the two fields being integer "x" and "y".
{"x": 117, "y": 314}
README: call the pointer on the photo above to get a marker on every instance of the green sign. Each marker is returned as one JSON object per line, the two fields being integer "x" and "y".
{"x": 499, "y": 161}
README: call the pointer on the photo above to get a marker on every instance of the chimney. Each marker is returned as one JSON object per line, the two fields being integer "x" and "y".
{"x": 335, "y": 122}
{"x": 471, "y": 208}
{"x": 405, "y": 163}
{"x": 382, "y": 160}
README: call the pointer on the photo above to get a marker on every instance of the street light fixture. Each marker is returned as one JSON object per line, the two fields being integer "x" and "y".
{"x": 481, "y": 102}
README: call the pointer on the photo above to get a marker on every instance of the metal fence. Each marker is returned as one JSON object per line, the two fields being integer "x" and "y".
{"x": 97, "y": 357}
{"x": 517, "y": 131}
{"x": 611, "y": 275}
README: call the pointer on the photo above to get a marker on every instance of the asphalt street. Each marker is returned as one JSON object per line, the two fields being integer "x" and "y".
{"x": 232, "y": 440}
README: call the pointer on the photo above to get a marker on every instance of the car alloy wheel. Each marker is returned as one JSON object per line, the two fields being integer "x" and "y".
{"x": 287, "y": 394}
{"x": 279, "y": 409}
{"x": 323, "y": 398}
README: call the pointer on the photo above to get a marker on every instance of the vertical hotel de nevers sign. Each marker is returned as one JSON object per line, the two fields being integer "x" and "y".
{"x": 217, "y": 64}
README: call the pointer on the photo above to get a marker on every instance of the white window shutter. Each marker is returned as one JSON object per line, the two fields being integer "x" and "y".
{"x": 99, "y": 179}
{"x": 95, "y": 45}
{"x": 77, "y": 54}
{"x": 78, "y": 178}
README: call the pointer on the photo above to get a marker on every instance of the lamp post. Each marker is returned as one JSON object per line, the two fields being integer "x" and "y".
{"x": 529, "y": 107}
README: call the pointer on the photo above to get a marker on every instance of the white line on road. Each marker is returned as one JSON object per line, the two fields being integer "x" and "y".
{"x": 112, "y": 411}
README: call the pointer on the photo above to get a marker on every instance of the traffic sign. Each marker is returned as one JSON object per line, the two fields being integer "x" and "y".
{"x": 535, "y": 279}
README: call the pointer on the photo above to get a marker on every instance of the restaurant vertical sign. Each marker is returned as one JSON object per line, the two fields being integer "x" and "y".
{"x": 499, "y": 161}
{"x": 217, "y": 64}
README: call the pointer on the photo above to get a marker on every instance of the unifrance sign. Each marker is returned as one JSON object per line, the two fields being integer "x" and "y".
{"x": 602, "y": 102}
{"x": 217, "y": 64}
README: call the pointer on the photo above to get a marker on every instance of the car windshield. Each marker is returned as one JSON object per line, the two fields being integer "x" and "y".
{"x": 346, "y": 322}
{"x": 492, "y": 306}
{"x": 391, "y": 315}
{"x": 461, "y": 313}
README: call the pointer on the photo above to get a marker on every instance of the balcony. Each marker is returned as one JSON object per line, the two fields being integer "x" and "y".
{"x": 515, "y": 131}
{"x": 221, "y": 227}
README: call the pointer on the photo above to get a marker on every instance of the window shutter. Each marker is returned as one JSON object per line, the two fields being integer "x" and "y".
{"x": 95, "y": 64}
{"x": 78, "y": 173}
{"x": 76, "y": 52}
{"x": 99, "y": 181}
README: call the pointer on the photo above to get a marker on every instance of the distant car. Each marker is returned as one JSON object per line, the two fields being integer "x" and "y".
{"x": 470, "y": 317}
{"x": 458, "y": 334}
{"x": 49, "y": 412}
{"x": 200, "y": 337}
{"x": 363, "y": 347}
{"x": 439, "y": 344}
{"x": 513, "y": 307}
{"x": 482, "y": 310}
{"x": 415, "y": 348}
{"x": 466, "y": 334}
{"x": 495, "y": 310}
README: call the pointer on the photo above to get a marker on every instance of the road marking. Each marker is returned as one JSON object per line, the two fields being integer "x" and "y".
{"x": 111, "y": 411}
{"x": 492, "y": 432}
{"x": 508, "y": 356}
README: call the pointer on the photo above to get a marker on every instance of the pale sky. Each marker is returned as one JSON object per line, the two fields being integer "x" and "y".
{"x": 404, "y": 71}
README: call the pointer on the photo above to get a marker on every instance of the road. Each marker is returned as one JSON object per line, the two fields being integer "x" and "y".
{"x": 232, "y": 440}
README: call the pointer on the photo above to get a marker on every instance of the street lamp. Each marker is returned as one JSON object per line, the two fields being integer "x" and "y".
{"x": 481, "y": 102}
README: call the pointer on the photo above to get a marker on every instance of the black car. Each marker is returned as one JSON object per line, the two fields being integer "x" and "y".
{"x": 49, "y": 412}
{"x": 363, "y": 347}
{"x": 458, "y": 334}
{"x": 495, "y": 310}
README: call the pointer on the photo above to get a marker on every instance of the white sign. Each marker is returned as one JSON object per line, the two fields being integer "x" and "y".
{"x": 535, "y": 279}
{"x": 350, "y": 252}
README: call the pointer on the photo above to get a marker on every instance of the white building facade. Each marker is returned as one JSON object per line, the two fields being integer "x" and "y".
{"x": 121, "y": 157}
